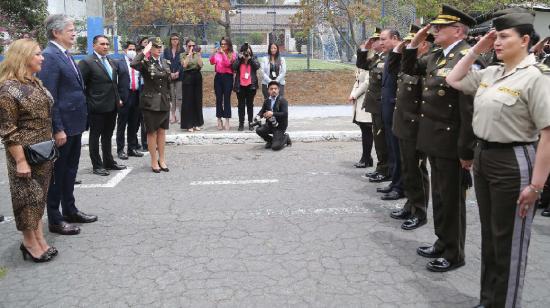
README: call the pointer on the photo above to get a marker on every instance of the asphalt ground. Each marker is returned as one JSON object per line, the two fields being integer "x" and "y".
{"x": 241, "y": 226}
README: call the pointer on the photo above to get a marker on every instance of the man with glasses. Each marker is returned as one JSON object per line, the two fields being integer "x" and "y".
{"x": 445, "y": 134}
{"x": 100, "y": 78}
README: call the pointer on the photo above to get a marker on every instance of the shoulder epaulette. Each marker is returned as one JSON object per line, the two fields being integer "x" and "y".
{"x": 436, "y": 49}
{"x": 463, "y": 52}
{"x": 543, "y": 68}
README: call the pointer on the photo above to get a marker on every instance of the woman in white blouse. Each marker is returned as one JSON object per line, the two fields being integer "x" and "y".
{"x": 273, "y": 68}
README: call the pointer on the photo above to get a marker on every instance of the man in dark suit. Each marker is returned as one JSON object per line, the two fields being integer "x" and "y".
{"x": 60, "y": 75}
{"x": 100, "y": 80}
{"x": 128, "y": 114}
{"x": 274, "y": 106}
{"x": 389, "y": 39}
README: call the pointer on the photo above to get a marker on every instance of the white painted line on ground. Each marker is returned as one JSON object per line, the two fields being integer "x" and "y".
{"x": 233, "y": 182}
{"x": 312, "y": 211}
{"x": 111, "y": 183}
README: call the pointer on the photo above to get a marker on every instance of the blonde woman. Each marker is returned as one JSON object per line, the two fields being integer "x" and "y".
{"x": 25, "y": 119}
{"x": 361, "y": 117}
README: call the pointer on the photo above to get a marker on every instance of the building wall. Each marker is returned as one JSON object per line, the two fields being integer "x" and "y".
{"x": 76, "y": 8}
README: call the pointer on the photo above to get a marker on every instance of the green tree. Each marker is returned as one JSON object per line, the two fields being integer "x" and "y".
{"x": 24, "y": 16}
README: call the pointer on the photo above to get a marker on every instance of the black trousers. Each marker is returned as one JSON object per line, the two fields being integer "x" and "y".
{"x": 366, "y": 141}
{"x": 499, "y": 176}
{"x": 380, "y": 147}
{"x": 246, "y": 99}
{"x": 449, "y": 207}
{"x": 102, "y": 126}
{"x": 392, "y": 145}
{"x": 415, "y": 178}
{"x": 143, "y": 132}
{"x": 223, "y": 85}
{"x": 128, "y": 117}
{"x": 63, "y": 177}
{"x": 545, "y": 197}
{"x": 191, "y": 103}
{"x": 278, "y": 140}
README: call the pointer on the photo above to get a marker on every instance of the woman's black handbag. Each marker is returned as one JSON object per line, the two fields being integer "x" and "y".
{"x": 41, "y": 152}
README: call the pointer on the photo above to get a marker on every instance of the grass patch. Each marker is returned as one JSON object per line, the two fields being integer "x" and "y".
{"x": 299, "y": 64}
{"x": 3, "y": 272}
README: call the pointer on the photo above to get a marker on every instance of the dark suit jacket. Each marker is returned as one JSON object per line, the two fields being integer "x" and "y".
{"x": 69, "y": 112}
{"x": 101, "y": 91}
{"x": 124, "y": 79}
{"x": 280, "y": 111}
{"x": 389, "y": 77}
{"x": 445, "y": 122}
{"x": 374, "y": 64}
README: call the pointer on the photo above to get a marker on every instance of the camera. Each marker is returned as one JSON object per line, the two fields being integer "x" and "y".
{"x": 256, "y": 122}
{"x": 273, "y": 121}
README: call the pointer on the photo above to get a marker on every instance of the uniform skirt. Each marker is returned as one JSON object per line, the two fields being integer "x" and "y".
{"x": 154, "y": 120}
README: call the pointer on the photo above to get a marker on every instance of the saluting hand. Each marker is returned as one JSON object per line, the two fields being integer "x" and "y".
{"x": 486, "y": 43}
{"x": 421, "y": 36}
{"x": 148, "y": 48}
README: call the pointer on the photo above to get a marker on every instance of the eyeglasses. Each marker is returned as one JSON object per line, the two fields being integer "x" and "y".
{"x": 439, "y": 27}
{"x": 175, "y": 39}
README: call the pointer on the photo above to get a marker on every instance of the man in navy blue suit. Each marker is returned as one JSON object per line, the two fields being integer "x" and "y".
{"x": 62, "y": 78}
{"x": 389, "y": 39}
{"x": 128, "y": 114}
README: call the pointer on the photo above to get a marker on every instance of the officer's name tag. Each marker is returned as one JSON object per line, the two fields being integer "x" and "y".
{"x": 509, "y": 91}
{"x": 246, "y": 75}
{"x": 483, "y": 85}
{"x": 443, "y": 72}
{"x": 380, "y": 65}
{"x": 273, "y": 74}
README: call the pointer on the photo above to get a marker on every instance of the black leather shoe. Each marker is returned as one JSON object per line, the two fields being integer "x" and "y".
{"x": 393, "y": 195}
{"x": 384, "y": 190}
{"x": 371, "y": 174}
{"x": 268, "y": 145}
{"x": 400, "y": 214}
{"x": 80, "y": 217}
{"x": 288, "y": 140}
{"x": 442, "y": 265}
{"x": 379, "y": 178}
{"x": 241, "y": 127}
{"x": 64, "y": 229}
{"x": 135, "y": 153}
{"x": 101, "y": 171}
{"x": 413, "y": 223}
{"x": 546, "y": 212}
{"x": 428, "y": 252}
{"x": 122, "y": 155}
{"x": 360, "y": 164}
{"x": 115, "y": 166}
{"x": 77, "y": 181}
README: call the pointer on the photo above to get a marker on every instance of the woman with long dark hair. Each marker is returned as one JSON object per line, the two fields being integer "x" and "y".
{"x": 191, "y": 105}
{"x": 222, "y": 58}
{"x": 246, "y": 83}
{"x": 511, "y": 111}
{"x": 172, "y": 54}
{"x": 273, "y": 69}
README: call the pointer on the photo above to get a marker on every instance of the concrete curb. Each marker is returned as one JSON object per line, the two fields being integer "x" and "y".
{"x": 249, "y": 137}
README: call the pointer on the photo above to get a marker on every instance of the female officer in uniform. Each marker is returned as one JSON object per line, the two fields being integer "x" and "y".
{"x": 511, "y": 108}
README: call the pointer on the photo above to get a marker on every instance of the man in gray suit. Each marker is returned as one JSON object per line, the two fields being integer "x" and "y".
{"x": 100, "y": 78}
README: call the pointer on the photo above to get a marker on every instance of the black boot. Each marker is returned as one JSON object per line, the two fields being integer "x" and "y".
{"x": 241, "y": 126}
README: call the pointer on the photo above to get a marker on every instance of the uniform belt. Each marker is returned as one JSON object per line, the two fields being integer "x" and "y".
{"x": 497, "y": 145}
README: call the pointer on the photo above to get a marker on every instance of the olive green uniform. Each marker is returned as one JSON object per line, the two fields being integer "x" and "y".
{"x": 445, "y": 135}
{"x": 372, "y": 103}
{"x": 405, "y": 128}
{"x": 509, "y": 111}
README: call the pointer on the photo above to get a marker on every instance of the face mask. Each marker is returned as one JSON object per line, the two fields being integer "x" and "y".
{"x": 131, "y": 54}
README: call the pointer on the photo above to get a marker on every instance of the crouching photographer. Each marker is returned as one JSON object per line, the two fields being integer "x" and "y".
{"x": 275, "y": 111}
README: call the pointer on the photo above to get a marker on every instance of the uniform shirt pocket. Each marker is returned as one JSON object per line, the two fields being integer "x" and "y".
{"x": 504, "y": 103}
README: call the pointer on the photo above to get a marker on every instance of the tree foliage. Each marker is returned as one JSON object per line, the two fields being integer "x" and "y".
{"x": 18, "y": 17}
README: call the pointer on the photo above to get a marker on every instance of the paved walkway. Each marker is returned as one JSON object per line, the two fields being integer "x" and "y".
{"x": 240, "y": 226}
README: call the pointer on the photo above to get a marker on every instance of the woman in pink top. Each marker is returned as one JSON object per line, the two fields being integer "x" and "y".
{"x": 223, "y": 59}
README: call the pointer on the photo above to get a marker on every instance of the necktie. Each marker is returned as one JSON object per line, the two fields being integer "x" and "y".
{"x": 68, "y": 54}
{"x": 107, "y": 67}
{"x": 133, "y": 76}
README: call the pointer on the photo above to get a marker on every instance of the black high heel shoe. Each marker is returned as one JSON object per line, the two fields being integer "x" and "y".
{"x": 163, "y": 169}
{"x": 45, "y": 257}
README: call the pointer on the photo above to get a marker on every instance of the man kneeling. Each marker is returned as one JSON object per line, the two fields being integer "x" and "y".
{"x": 275, "y": 111}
